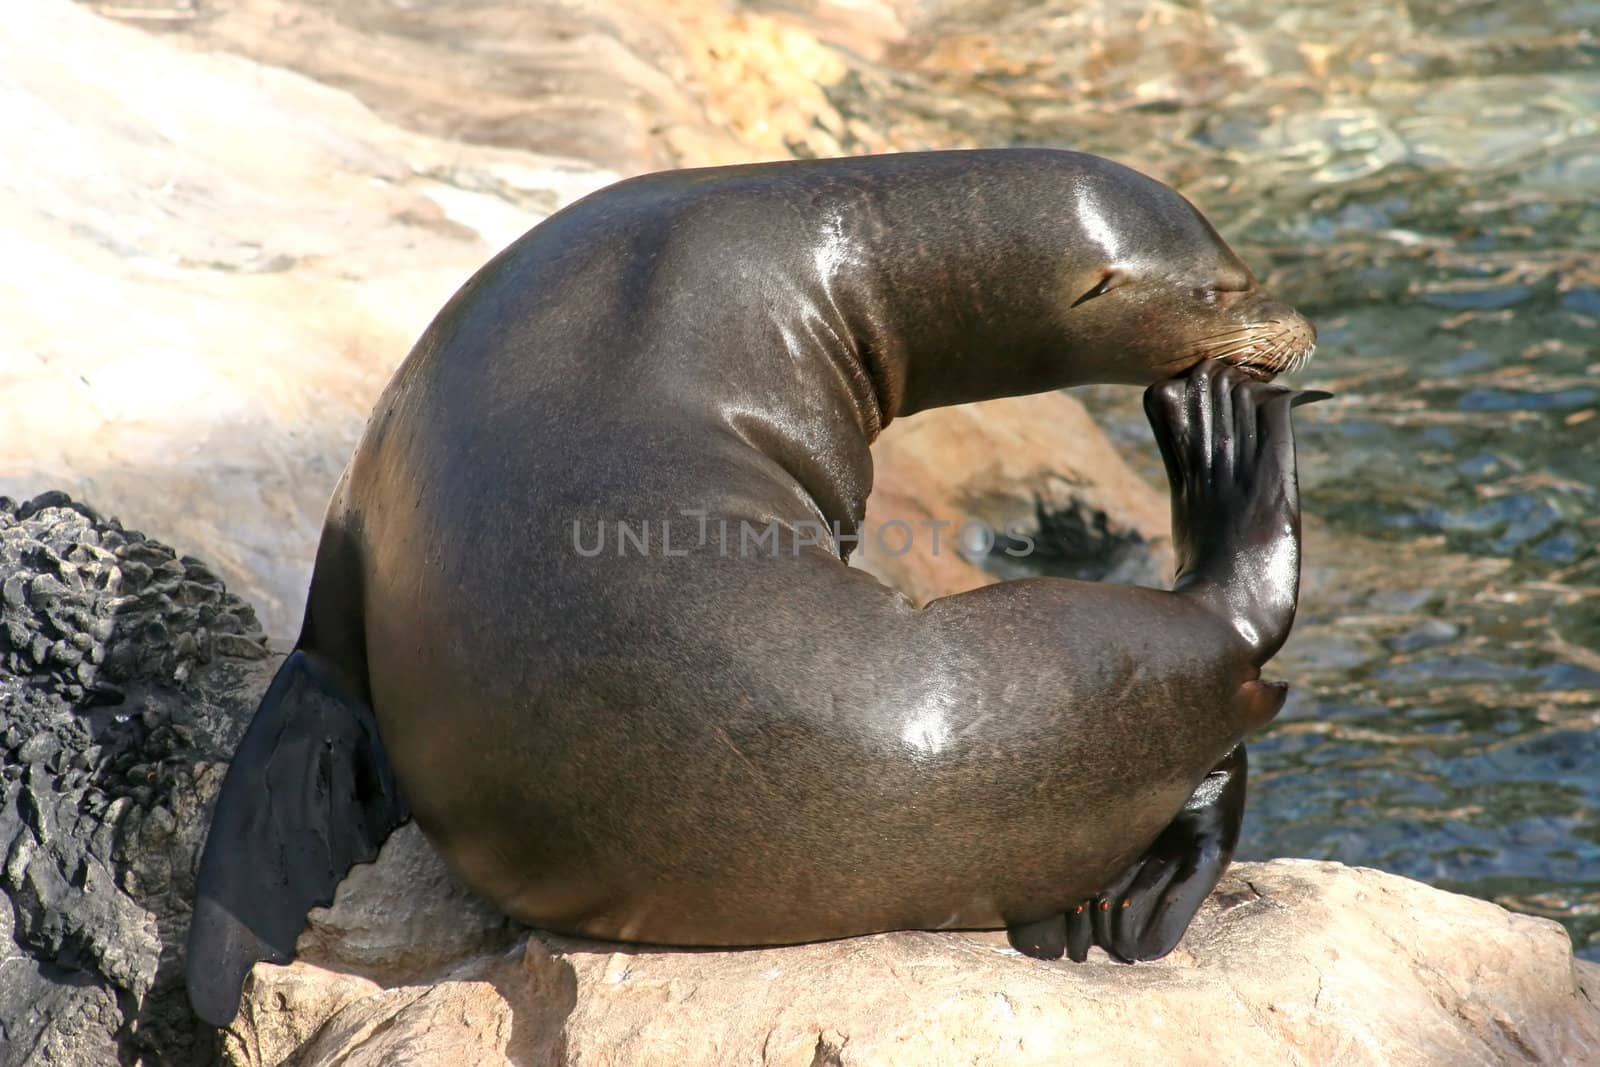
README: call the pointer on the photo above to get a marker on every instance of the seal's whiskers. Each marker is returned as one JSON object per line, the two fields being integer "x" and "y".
{"x": 1272, "y": 346}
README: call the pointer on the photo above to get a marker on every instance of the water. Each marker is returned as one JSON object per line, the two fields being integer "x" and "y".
{"x": 1423, "y": 179}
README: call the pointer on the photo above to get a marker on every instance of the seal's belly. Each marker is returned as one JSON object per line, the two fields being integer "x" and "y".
{"x": 666, "y": 783}
{"x": 655, "y": 746}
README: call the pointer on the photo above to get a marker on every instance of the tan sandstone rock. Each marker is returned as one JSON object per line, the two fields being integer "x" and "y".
{"x": 1005, "y": 464}
{"x": 633, "y": 85}
{"x": 1292, "y": 961}
{"x": 209, "y": 269}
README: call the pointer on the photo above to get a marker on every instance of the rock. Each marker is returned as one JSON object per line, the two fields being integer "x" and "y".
{"x": 633, "y": 85}
{"x": 1037, "y": 465}
{"x": 259, "y": 252}
{"x": 403, "y": 917}
{"x": 300, "y": 1005}
{"x": 1291, "y": 961}
{"x": 107, "y": 766}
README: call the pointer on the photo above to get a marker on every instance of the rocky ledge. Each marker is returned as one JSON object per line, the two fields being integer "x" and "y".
{"x": 1292, "y": 961}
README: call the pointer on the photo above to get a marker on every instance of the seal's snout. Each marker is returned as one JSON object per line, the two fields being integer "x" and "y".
{"x": 1271, "y": 339}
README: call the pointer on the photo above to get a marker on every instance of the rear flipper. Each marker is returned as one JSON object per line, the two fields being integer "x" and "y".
{"x": 1144, "y": 913}
{"x": 309, "y": 794}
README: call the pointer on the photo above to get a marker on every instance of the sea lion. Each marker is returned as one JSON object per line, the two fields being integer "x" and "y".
{"x": 684, "y": 739}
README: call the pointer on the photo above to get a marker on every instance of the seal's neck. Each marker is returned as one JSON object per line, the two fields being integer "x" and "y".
{"x": 951, "y": 306}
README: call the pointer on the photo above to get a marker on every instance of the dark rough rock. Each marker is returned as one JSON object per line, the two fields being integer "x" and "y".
{"x": 1073, "y": 538}
{"x": 127, "y": 674}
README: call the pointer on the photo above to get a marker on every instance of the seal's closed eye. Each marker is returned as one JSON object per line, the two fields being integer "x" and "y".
{"x": 1110, "y": 281}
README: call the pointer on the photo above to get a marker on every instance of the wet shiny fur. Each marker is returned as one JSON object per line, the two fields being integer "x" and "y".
{"x": 690, "y": 747}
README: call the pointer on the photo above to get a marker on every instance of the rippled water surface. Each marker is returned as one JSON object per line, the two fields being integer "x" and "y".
{"x": 1424, "y": 180}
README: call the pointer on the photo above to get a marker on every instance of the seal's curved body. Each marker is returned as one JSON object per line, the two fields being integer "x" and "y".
{"x": 712, "y": 731}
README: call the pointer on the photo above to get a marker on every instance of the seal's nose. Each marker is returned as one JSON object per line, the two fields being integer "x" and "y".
{"x": 1294, "y": 337}
{"x": 1278, "y": 310}
{"x": 1277, "y": 339}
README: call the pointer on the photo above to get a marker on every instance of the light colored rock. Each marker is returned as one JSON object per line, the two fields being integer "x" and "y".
{"x": 1003, "y": 463}
{"x": 275, "y": 1022}
{"x": 207, "y": 275}
{"x": 1292, "y": 961}
{"x": 403, "y": 917}
{"x": 634, "y": 85}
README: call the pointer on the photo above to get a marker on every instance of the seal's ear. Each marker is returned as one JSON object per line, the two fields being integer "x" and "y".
{"x": 1109, "y": 281}
{"x": 309, "y": 794}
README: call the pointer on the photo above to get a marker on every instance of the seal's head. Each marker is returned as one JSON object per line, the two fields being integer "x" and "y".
{"x": 1167, "y": 290}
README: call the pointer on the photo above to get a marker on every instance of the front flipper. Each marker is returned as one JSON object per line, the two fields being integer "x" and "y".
{"x": 309, "y": 794}
{"x": 1144, "y": 913}
{"x": 1228, "y": 445}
